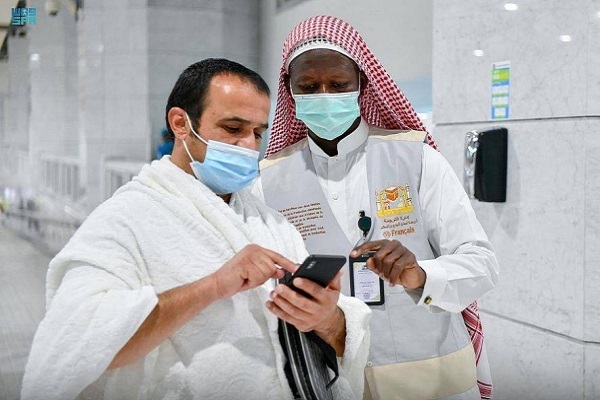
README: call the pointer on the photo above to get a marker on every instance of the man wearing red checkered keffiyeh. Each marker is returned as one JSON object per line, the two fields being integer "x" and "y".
{"x": 325, "y": 63}
{"x": 382, "y": 103}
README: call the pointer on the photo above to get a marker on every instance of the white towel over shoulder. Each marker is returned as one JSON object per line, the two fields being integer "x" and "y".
{"x": 162, "y": 230}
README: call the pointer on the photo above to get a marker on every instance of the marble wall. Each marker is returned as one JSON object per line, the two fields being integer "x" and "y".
{"x": 543, "y": 318}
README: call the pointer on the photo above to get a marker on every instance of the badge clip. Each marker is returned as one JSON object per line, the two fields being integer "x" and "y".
{"x": 364, "y": 283}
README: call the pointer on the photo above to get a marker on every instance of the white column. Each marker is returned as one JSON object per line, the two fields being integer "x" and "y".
{"x": 113, "y": 94}
{"x": 53, "y": 76}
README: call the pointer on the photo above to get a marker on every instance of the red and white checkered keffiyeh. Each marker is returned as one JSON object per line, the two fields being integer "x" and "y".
{"x": 382, "y": 104}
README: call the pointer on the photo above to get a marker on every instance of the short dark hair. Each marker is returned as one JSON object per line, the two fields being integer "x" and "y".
{"x": 192, "y": 85}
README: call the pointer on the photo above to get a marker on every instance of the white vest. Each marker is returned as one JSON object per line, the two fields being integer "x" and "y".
{"x": 402, "y": 333}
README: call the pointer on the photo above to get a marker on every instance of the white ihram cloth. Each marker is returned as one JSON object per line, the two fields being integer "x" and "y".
{"x": 163, "y": 230}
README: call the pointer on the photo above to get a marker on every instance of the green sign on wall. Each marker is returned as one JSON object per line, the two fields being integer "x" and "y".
{"x": 501, "y": 90}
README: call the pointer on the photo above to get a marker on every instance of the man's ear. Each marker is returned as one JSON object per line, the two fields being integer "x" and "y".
{"x": 178, "y": 122}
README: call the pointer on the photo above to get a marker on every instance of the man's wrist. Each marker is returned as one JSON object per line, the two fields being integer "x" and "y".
{"x": 212, "y": 288}
{"x": 335, "y": 333}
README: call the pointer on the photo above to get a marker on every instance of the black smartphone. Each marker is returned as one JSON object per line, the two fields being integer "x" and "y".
{"x": 318, "y": 268}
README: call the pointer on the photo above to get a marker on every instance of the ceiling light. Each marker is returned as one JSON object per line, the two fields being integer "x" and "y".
{"x": 34, "y": 57}
{"x": 511, "y": 7}
{"x": 565, "y": 38}
{"x": 478, "y": 53}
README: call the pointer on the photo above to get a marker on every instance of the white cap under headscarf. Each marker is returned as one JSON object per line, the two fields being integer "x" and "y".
{"x": 312, "y": 44}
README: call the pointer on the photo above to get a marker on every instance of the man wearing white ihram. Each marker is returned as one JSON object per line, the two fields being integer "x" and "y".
{"x": 344, "y": 141}
{"x": 166, "y": 290}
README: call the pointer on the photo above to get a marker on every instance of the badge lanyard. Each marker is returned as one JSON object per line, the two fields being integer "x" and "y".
{"x": 364, "y": 283}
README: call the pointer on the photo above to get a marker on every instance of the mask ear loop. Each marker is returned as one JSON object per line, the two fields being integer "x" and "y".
{"x": 187, "y": 151}
{"x": 194, "y": 132}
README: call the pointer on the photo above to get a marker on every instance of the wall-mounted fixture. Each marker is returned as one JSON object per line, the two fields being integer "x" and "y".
{"x": 485, "y": 166}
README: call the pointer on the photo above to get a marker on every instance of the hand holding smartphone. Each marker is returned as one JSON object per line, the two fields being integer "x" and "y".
{"x": 318, "y": 268}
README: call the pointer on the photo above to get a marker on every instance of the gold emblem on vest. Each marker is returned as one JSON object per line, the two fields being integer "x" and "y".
{"x": 393, "y": 200}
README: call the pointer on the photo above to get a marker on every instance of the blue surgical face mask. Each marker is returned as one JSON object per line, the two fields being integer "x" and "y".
{"x": 226, "y": 168}
{"x": 328, "y": 115}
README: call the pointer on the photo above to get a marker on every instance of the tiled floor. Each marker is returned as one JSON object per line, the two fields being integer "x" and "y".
{"x": 22, "y": 281}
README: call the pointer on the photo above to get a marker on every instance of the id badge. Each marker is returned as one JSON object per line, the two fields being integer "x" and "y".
{"x": 365, "y": 284}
